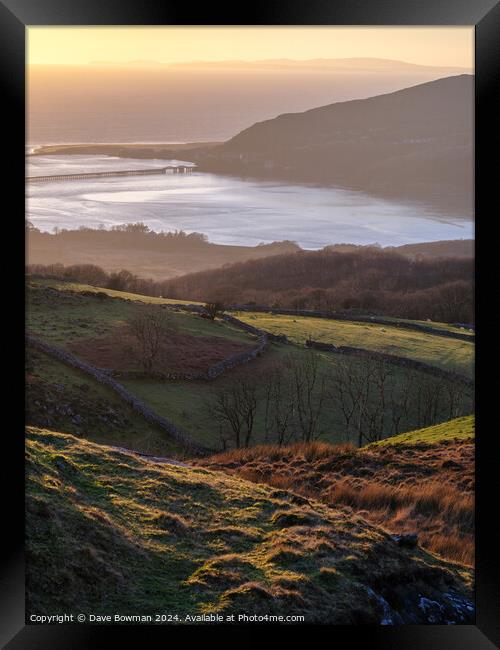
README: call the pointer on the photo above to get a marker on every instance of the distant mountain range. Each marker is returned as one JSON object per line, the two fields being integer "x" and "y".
{"x": 353, "y": 64}
{"x": 415, "y": 143}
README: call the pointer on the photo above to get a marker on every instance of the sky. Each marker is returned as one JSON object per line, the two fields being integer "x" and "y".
{"x": 439, "y": 46}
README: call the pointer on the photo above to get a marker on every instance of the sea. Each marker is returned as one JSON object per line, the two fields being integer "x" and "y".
{"x": 228, "y": 209}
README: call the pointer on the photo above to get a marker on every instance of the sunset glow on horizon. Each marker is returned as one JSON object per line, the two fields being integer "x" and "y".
{"x": 436, "y": 46}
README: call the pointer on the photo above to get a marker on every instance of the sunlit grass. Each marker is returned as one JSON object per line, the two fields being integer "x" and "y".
{"x": 457, "y": 429}
{"x": 109, "y": 532}
{"x": 447, "y": 353}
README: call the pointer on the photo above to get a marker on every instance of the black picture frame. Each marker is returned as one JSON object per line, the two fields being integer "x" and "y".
{"x": 15, "y": 16}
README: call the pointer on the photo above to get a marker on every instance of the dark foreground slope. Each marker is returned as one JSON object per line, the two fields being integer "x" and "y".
{"x": 109, "y": 532}
{"x": 414, "y": 143}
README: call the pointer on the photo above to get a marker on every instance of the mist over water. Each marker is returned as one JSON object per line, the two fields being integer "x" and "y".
{"x": 228, "y": 210}
{"x": 88, "y": 104}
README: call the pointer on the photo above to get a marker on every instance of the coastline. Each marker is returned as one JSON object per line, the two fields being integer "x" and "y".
{"x": 120, "y": 150}
{"x": 456, "y": 203}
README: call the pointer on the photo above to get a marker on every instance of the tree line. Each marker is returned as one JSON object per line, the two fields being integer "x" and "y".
{"x": 130, "y": 235}
{"x": 368, "y": 399}
{"x": 366, "y": 280}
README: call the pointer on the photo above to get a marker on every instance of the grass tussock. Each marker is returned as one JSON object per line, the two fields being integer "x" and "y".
{"x": 158, "y": 537}
{"x": 420, "y": 482}
{"x": 307, "y": 451}
{"x": 434, "y": 507}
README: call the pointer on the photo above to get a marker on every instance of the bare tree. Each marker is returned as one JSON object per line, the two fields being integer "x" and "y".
{"x": 455, "y": 395}
{"x": 235, "y": 408}
{"x": 279, "y": 409}
{"x": 400, "y": 401}
{"x": 343, "y": 392}
{"x": 375, "y": 400}
{"x": 309, "y": 392}
{"x": 214, "y": 309}
{"x": 364, "y": 393}
{"x": 430, "y": 393}
{"x": 377, "y": 405}
{"x": 150, "y": 325}
{"x": 364, "y": 388}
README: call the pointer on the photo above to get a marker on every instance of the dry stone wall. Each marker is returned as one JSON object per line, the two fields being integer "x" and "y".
{"x": 392, "y": 359}
{"x": 215, "y": 370}
{"x": 277, "y": 338}
{"x": 105, "y": 378}
{"x": 377, "y": 320}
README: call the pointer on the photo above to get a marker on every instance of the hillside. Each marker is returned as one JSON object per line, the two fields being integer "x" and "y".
{"x": 195, "y": 101}
{"x": 367, "y": 279}
{"x": 141, "y": 251}
{"x": 439, "y": 249}
{"x": 459, "y": 429}
{"x": 161, "y": 256}
{"x": 62, "y": 398}
{"x": 447, "y": 353}
{"x": 94, "y": 326}
{"x": 418, "y": 482}
{"x": 162, "y": 538}
{"x": 430, "y": 249}
{"x": 414, "y": 143}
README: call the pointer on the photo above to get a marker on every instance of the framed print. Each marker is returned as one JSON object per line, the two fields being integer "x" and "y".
{"x": 249, "y": 322}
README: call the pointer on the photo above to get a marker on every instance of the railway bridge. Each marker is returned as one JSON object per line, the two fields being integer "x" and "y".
{"x": 170, "y": 169}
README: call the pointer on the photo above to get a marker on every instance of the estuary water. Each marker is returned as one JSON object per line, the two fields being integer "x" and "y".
{"x": 228, "y": 210}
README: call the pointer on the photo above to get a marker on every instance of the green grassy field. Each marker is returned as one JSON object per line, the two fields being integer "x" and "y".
{"x": 447, "y": 353}
{"x": 60, "y": 314}
{"x": 61, "y": 285}
{"x": 434, "y": 325}
{"x": 457, "y": 429}
{"x": 157, "y": 538}
{"x": 185, "y": 402}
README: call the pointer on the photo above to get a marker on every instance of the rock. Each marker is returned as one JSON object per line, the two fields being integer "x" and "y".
{"x": 451, "y": 464}
{"x": 408, "y": 540}
{"x": 432, "y": 610}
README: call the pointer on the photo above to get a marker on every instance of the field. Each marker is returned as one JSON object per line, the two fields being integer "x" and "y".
{"x": 93, "y": 326}
{"x": 462, "y": 429}
{"x": 462, "y": 329}
{"x": 421, "y": 481}
{"x": 447, "y": 353}
{"x": 318, "y": 529}
{"x": 191, "y": 541}
{"x": 175, "y": 399}
{"x": 63, "y": 314}
{"x": 125, "y": 295}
